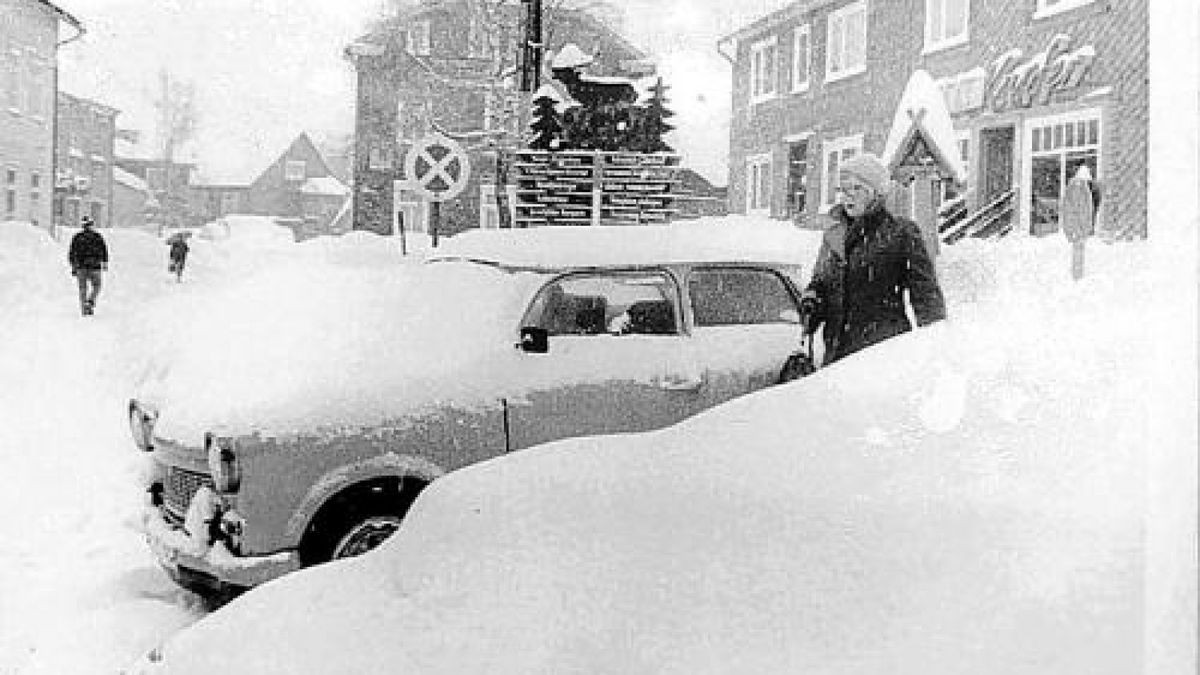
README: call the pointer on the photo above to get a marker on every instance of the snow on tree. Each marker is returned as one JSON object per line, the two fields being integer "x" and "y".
{"x": 547, "y": 124}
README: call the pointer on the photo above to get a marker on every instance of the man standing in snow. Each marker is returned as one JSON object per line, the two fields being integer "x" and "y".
{"x": 868, "y": 259}
{"x": 179, "y": 251}
{"x": 89, "y": 258}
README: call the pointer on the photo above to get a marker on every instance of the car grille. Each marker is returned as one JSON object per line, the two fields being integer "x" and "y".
{"x": 179, "y": 488}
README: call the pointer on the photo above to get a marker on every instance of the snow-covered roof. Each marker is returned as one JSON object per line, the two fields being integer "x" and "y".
{"x": 574, "y": 247}
{"x": 571, "y": 56}
{"x": 325, "y": 185}
{"x": 922, "y": 109}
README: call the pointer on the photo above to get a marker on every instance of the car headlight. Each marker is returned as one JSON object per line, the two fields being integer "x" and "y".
{"x": 223, "y": 463}
{"x": 141, "y": 425}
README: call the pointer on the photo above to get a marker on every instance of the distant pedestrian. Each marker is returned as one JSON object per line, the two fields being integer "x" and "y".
{"x": 867, "y": 261}
{"x": 179, "y": 252}
{"x": 89, "y": 259}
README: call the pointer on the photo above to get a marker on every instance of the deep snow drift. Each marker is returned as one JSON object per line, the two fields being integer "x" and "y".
{"x": 79, "y": 593}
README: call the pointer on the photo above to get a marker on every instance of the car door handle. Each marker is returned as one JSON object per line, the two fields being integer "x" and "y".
{"x": 679, "y": 383}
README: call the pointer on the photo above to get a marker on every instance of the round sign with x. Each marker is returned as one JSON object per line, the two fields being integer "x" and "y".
{"x": 437, "y": 167}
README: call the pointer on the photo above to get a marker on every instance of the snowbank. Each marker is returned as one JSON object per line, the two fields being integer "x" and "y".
{"x": 965, "y": 498}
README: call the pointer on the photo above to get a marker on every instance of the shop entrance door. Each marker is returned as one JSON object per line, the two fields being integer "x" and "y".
{"x": 997, "y": 157}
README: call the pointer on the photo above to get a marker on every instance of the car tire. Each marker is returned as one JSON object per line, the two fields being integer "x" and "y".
{"x": 357, "y": 520}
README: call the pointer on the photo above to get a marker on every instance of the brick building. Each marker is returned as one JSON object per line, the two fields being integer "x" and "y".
{"x": 1036, "y": 89}
{"x": 84, "y": 160}
{"x": 29, "y": 42}
{"x": 450, "y": 65}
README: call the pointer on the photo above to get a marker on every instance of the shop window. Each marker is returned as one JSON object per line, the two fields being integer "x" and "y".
{"x": 946, "y": 23}
{"x": 1052, "y": 7}
{"x": 1058, "y": 148}
{"x": 294, "y": 170}
{"x": 758, "y": 184}
{"x": 846, "y": 42}
{"x": 837, "y": 151}
{"x": 762, "y": 70}
{"x": 801, "y": 53}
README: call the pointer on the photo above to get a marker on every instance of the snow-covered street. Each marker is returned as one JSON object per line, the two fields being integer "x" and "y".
{"x": 80, "y": 592}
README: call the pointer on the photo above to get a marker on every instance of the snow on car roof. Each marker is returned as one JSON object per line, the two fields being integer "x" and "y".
{"x": 725, "y": 240}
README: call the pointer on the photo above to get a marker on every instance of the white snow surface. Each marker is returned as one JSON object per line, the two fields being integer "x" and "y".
{"x": 922, "y": 96}
{"x": 967, "y": 498}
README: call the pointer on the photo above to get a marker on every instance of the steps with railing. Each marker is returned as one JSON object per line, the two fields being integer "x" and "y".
{"x": 994, "y": 219}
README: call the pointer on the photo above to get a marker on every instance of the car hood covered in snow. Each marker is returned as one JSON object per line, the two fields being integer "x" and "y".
{"x": 313, "y": 343}
{"x": 964, "y": 499}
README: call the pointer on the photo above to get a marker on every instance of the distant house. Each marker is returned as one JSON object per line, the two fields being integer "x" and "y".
{"x": 447, "y": 65}
{"x": 698, "y": 197}
{"x": 29, "y": 42}
{"x": 300, "y": 188}
{"x": 84, "y": 157}
{"x": 171, "y": 185}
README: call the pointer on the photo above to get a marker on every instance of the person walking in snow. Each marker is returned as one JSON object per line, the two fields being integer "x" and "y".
{"x": 88, "y": 257}
{"x": 867, "y": 260}
{"x": 179, "y": 251}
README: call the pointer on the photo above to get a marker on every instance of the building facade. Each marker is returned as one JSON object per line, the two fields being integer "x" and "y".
{"x": 29, "y": 41}
{"x": 84, "y": 160}
{"x": 1036, "y": 89}
{"x": 450, "y": 66}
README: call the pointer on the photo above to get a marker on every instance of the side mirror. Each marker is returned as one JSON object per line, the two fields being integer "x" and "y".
{"x": 534, "y": 340}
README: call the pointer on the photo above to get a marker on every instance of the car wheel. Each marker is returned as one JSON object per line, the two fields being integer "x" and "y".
{"x": 358, "y": 520}
{"x": 365, "y": 536}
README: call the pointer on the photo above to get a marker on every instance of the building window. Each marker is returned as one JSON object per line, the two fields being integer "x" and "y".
{"x": 1052, "y": 7}
{"x": 946, "y": 23}
{"x": 229, "y": 203}
{"x": 417, "y": 38}
{"x": 762, "y": 70}
{"x": 477, "y": 39}
{"x": 294, "y": 170}
{"x": 846, "y": 42}
{"x": 758, "y": 184}
{"x": 35, "y": 180}
{"x": 379, "y": 159}
{"x": 1058, "y": 147}
{"x": 156, "y": 178}
{"x": 801, "y": 52}
{"x": 797, "y": 190}
{"x": 837, "y": 151}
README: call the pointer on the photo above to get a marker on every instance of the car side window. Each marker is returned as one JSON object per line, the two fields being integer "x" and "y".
{"x": 617, "y": 303}
{"x": 729, "y": 296}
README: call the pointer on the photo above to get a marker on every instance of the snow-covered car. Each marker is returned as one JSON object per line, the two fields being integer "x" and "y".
{"x": 967, "y": 498}
{"x": 279, "y": 445}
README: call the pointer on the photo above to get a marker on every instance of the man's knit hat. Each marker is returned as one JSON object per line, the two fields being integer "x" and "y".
{"x": 869, "y": 169}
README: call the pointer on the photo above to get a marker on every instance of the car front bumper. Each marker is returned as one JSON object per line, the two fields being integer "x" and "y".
{"x": 195, "y": 563}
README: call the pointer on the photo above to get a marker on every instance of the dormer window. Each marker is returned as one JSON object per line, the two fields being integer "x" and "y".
{"x": 417, "y": 38}
{"x": 294, "y": 170}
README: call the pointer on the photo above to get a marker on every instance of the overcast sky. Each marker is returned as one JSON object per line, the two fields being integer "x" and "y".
{"x": 264, "y": 70}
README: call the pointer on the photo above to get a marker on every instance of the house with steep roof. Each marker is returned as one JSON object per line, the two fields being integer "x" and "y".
{"x": 299, "y": 188}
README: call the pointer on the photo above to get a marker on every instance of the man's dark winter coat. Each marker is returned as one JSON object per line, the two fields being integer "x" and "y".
{"x": 862, "y": 270}
{"x": 88, "y": 251}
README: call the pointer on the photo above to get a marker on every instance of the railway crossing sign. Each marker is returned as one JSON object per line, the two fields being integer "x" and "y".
{"x": 438, "y": 167}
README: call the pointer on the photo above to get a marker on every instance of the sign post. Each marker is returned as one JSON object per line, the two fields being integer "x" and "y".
{"x": 438, "y": 168}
